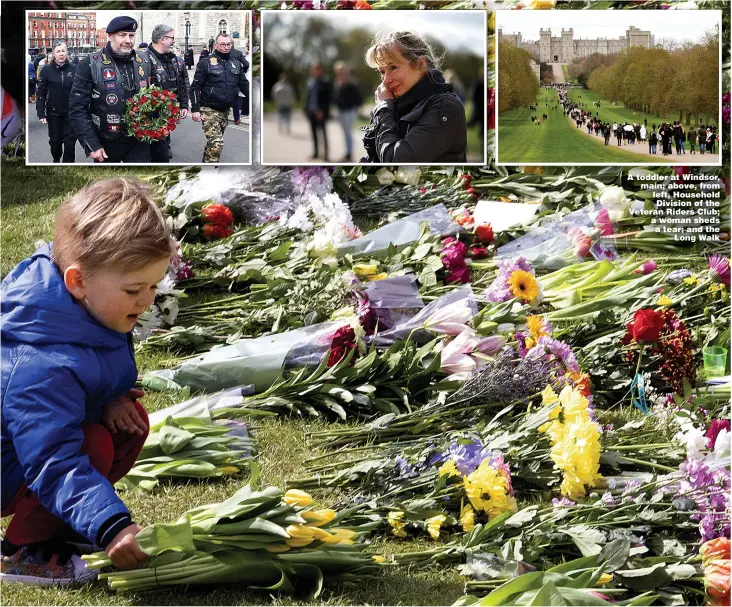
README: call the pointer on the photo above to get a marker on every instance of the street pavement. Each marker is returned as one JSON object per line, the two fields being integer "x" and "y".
{"x": 187, "y": 142}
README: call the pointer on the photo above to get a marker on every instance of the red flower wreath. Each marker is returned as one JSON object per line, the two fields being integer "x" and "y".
{"x": 152, "y": 114}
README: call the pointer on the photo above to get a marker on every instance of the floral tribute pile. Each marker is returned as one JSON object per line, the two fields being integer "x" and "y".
{"x": 533, "y": 398}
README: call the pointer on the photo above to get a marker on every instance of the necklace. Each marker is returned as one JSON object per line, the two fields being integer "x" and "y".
{"x": 127, "y": 85}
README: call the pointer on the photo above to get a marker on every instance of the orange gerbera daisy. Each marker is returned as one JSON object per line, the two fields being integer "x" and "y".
{"x": 523, "y": 285}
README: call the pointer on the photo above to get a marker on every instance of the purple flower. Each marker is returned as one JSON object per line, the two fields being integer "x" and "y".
{"x": 548, "y": 348}
{"x": 467, "y": 456}
{"x": 707, "y": 528}
{"x": 406, "y": 470}
{"x": 184, "y": 271}
{"x": 609, "y": 500}
{"x": 366, "y": 314}
{"x": 453, "y": 255}
{"x": 500, "y": 290}
{"x": 719, "y": 268}
{"x": 564, "y": 502}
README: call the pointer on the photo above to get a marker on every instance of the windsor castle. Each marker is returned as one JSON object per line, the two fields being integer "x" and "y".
{"x": 564, "y": 49}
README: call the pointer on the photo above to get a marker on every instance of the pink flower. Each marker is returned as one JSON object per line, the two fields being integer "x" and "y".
{"x": 490, "y": 345}
{"x": 453, "y": 255}
{"x": 459, "y": 275}
{"x": 648, "y": 267}
{"x": 582, "y": 245}
{"x": 715, "y": 428}
{"x": 450, "y": 320}
{"x": 719, "y": 268}
{"x": 454, "y": 357}
{"x": 603, "y": 223}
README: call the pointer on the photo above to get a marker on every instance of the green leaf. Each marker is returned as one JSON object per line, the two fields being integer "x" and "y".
{"x": 523, "y": 583}
{"x": 522, "y": 516}
{"x": 172, "y": 439}
{"x": 548, "y": 596}
{"x": 614, "y": 554}
{"x": 159, "y": 538}
{"x": 587, "y": 539}
{"x": 667, "y": 546}
{"x": 647, "y": 578}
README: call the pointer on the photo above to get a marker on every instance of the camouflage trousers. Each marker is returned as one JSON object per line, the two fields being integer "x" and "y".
{"x": 214, "y": 125}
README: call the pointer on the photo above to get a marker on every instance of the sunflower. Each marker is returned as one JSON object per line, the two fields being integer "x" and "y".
{"x": 523, "y": 285}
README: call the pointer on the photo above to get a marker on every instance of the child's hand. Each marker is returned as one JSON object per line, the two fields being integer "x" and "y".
{"x": 124, "y": 551}
{"x": 120, "y": 414}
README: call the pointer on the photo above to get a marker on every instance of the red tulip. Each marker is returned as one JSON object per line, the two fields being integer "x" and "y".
{"x": 217, "y": 213}
{"x": 646, "y": 326}
{"x": 485, "y": 233}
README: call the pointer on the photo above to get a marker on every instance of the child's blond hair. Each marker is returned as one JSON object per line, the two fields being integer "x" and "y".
{"x": 111, "y": 223}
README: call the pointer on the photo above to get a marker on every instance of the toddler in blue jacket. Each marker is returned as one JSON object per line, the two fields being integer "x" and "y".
{"x": 71, "y": 423}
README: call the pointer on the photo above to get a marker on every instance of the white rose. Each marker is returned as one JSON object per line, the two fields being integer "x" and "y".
{"x": 613, "y": 198}
{"x": 385, "y": 176}
{"x": 408, "y": 175}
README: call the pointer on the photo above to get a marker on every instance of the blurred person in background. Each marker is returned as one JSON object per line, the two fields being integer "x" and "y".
{"x": 32, "y": 80}
{"x": 477, "y": 96}
{"x": 418, "y": 117}
{"x": 317, "y": 107}
{"x": 283, "y": 94}
{"x": 347, "y": 98}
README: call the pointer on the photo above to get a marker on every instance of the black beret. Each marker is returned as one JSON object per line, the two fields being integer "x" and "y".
{"x": 122, "y": 24}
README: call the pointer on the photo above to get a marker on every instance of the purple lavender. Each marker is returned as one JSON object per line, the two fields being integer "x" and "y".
{"x": 609, "y": 500}
{"x": 563, "y": 502}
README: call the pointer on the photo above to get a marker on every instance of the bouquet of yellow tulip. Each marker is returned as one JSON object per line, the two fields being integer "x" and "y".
{"x": 263, "y": 539}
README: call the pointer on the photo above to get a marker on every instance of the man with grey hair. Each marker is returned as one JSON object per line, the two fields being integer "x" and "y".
{"x": 169, "y": 72}
{"x": 215, "y": 87}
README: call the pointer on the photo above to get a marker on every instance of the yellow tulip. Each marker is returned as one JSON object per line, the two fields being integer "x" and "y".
{"x": 299, "y": 542}
{"x": 375, "y": 277}
{"x": 378, "y": 558}
{"x": 347, "y": 534}
{"x": 295, "y": 497}
{"x": 364, "y": 269}
{"x": 276, "y": 548}
{"x": 605, "y": 578}
{"x": 317, "y": 518}
{"x": 320, "y": 534}
{"x": 299, "y": 531}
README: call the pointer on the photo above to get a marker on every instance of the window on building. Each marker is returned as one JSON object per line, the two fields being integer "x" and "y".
{"x": 223, "y": 27}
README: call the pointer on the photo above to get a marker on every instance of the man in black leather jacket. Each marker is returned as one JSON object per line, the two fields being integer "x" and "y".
{"x": 170, "y": 74}
{"x": 215, "y": 87}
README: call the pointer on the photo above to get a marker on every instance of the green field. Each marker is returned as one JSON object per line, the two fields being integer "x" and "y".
{"x": 554, "y": 140}
{"x": 619, "y": 113}
{"x": 566, "y": 74}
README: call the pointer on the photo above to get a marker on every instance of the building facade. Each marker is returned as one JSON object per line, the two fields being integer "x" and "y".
{"x": 566, "y": 48}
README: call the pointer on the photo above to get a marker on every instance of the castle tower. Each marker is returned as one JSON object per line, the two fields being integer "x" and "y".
{"x": 545, "y": 45}
{"x": 567, "y": 45}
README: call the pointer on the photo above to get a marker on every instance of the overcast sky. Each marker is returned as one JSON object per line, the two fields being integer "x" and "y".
{"x": 455, "y": 29}
{"x": 680, "y": 25}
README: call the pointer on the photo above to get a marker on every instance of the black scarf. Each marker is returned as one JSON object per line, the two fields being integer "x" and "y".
{"x": 223, "y": 56}
{"x": 432, "y": 82}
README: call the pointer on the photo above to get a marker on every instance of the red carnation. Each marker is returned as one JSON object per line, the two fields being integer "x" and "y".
{"x": 214, "y": 231}
{"x": 478, "y": 252}
{"x": 217, "y": 213}
{"x": 485, "y": 233}
{"x": 343, "y": 342}
{"x": 646, "y": 326}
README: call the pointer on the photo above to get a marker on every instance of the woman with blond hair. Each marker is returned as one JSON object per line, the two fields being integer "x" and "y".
{"x": 418, "y": 118}
{"x": 52, "y": 103}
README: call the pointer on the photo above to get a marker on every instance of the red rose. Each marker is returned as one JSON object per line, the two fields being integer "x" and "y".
{"x": 215, "y": 231}
{"x": 156, "y": 93}
{"x": 175, "y": 111}
{"x": 165, "y": 132}
{"x": 343, "y": 342}
{"x": 217, "y": 213}
{"x": 646, "y": 325}
{"x": 478, "y": 252}
{"x": 143, "y": 99}
{"x": 485, "y": 233}
{"x": 154, "y": 102}
{"x": 173, "y": 96}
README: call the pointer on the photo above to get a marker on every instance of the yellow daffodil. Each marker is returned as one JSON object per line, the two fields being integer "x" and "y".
{"x": 467, "y": 517}
{"x": 692, "y": 280}
{"x": 549, "y": 396}
{"x": 397, "y": 524}
{"x": 318, "y": 518}
{"x": 523, "y": 285}
{"x": 362, "y": 270}
{"x": 449, "y": 469}
{"x": 375, "y": 277}
{"x": 434, "y": 524}
{"x": 295, "y": 497}
{"x": 664, "y": 301}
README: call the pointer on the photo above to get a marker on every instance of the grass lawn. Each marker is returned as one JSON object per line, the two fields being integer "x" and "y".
{"x": 554, "y": 140}
{"x": 619, "y": 113}
{"x": 566, "y": 74}
{"x": 30, "y": 197}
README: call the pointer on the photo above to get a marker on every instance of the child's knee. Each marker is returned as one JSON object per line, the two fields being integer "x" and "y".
{"x": 99, "y": 447}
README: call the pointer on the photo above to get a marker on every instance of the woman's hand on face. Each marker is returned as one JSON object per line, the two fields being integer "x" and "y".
{"x": 383, "y": 92}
